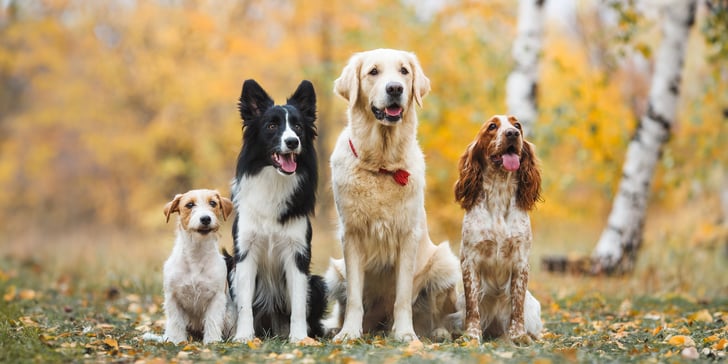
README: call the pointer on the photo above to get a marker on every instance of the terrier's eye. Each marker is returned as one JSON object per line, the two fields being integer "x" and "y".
{"x": 190, "y": 205}
{"x": 213, "y": 204}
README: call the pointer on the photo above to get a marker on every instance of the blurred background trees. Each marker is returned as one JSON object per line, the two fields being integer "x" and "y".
{"x": 109, "y": 108}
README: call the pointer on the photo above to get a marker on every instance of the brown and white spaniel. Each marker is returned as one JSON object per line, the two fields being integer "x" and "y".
{"x": 499, "y": 184}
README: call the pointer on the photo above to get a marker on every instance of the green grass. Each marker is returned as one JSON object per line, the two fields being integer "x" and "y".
{"x": 52, "y": 323}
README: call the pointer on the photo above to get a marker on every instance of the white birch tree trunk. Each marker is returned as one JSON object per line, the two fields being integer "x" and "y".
{"x": 617, "y": 248}
{"x": 522, "y": 83}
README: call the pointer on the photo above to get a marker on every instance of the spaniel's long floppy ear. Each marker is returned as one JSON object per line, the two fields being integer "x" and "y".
{"x": 529, "y": 178}
{"x": 347, "y": 85}
{"x": 172, "y": 206}
{"x": 469, "y": 186}
{"x": 225, "y": 205}
{"x": 420, "y": 82}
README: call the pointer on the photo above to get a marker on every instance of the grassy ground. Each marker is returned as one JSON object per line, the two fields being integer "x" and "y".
{"x": 90, "y": 295}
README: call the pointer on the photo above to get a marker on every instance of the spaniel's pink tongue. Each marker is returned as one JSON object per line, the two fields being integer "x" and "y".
{"x": 511, "y": 162}
{"x": 287, "y": 162}
{"x": 393, "y": 111}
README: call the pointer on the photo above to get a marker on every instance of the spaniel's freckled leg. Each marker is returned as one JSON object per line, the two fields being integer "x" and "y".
{"x": 519, "y": 281}
{"x": 471, "y": 286}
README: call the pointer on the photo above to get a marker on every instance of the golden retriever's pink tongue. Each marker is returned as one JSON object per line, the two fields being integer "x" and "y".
{"x": 287, "y": 162}
{"x": 393, "y": 111}
{"x": 511, "y": 162}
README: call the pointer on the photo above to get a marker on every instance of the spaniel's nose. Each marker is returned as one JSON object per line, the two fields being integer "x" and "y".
{"x": 512, "y": 133}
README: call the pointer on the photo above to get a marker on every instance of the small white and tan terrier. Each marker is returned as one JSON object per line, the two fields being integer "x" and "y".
{"x": 196, "y": 296}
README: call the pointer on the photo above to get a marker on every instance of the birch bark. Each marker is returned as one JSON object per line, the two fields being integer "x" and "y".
{"x": 522, "y": 83}
{"x": 616, "y": 251}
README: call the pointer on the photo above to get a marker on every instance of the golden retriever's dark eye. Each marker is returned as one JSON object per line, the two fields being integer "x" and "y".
{"x": 190, "y": 205}
{"x": 403, "y": 71}
{"x": 374, "y": 72}
{"x": 517, "y": 125}
{"x": 492, "y": 126}
{"x": 213, "y": 204}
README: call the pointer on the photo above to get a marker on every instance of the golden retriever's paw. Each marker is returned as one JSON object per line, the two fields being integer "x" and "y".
{"x": 406, "y": 337}
{"x": 440, "y": 334}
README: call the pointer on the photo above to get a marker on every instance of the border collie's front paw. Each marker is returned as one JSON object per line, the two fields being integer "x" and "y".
{"x": 345, "y": 335}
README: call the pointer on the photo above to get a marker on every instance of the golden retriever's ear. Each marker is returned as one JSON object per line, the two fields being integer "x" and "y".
{"x": 172, "y": 206}
{"x": 420, "y": 82}
{"x": 225, "y": 205}
{"x": 347, "y": 85}
{"x": 529, "y": 179}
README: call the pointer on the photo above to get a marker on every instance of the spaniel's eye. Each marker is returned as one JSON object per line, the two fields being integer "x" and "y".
{"x": 403, "y": 71}
{"x": 492, "y": 126}
{"x": 374, "y": 72}
{"x": 190, "y": 205}
{"x": 272, "y": 126}
{"x": 517, "y": 125}
{"x": 213, "y": 204}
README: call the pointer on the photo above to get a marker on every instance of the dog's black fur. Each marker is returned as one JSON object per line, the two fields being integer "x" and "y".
{"x": 264, "y": 124}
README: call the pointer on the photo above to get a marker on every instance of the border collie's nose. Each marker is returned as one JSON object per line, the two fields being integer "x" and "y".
{"x": 512, "y": 133}
{"x": 205, "y": 220}
{"x": 291, "y": 143}
{"x": 394, "y": 89}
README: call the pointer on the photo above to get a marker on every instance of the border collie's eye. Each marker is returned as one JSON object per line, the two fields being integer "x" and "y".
{"x": 403, "y": 71}
{"x": 374, "y": 72}
{"x": 492, "y": 126}
{"x": 517, "y": 125}
{"x": 272, "y": 126}
{"x": 190, "y": 205}
{"x": 297, "y": 127}
{"x": 213, "y": 204}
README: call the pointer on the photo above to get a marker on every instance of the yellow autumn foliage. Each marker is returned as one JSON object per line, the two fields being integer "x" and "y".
{"x": 107, "y": 110}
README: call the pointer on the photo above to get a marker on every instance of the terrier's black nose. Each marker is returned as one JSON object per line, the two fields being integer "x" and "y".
{"x": 205, "y": 220}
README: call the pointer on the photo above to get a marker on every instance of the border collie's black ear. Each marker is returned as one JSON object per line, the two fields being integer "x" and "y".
{"x": 253, "y": 101}
{"x": 304, "y": 99}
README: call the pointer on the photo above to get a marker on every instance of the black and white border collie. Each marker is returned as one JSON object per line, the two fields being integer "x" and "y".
{"x": 274, "y": 192}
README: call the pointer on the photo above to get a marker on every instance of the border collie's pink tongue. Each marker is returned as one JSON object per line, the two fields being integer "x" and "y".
{"x": 393, "y": 110}
{"x": 287, "y": 162}
{"x": 511, "y": 162}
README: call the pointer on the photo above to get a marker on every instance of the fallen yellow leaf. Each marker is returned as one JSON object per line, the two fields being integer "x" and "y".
{"x": 26, "y": 294}
{"x": 720, "y": 345}
{"x": 190, "y": 347}
{"x": 111, "y": 343}
{"x": 656, "y": 330}
{"x": 681, "y": 340}
{"x": 701, "y": 316}
{"x": 255, "y": 343}
{"x": 307, "y": 341}
{"x": 711, "y": 338}
{"x": 9, "y": 293}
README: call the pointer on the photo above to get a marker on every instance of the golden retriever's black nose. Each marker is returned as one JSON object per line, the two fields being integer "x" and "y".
{"x": 512, "y": 133}
{"x": 394, "y": 89}
{"x": 205, "y": 220}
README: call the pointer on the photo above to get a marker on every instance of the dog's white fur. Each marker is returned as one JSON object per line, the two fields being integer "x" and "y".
{"x": 389, "y": 259}
{"x": 196, "y": 297}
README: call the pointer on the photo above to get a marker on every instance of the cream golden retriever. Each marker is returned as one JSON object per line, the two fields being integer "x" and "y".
{"x": 391, "y": 270}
